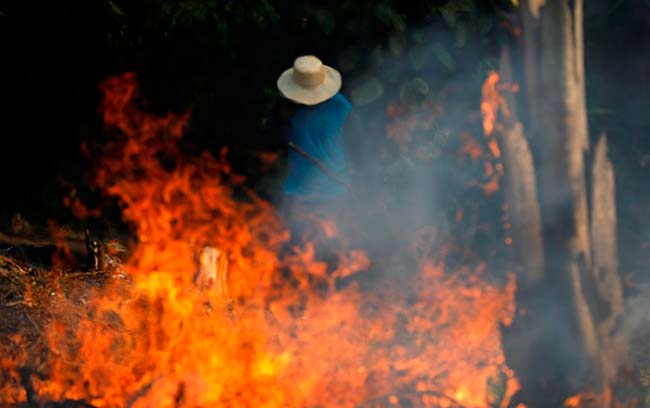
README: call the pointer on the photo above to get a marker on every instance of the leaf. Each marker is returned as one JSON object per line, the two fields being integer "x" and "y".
{"x": 417, "y": 57}
{"x": 349, "y": 59}
{"x": 418, "y": 35}
{"x": 482, "y": 68}
{"x": 115, "y": 9}
{"x": 413, "y": 91}
{"x": 265, "y": 13}
{"x": 449, "y": 15}
{"x": 391, "y": 72}
{"x": 376, "y": 57}
{"x": 326, "y": 21}
{"x": 369, "y": 90}
{"x": 443, "y": 56}
{"x": 466, "y": 6}
{"x": 389, "y": 16}
{"x": 461, "y": 35}
{"x": 484, "y": 25}
{"x": 396, "y": 44}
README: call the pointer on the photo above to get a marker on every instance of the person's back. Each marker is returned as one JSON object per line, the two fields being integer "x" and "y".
{"x": 317, "y": 131}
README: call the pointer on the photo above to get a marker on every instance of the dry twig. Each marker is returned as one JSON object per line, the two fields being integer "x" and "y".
{"x": 13, "y": 264}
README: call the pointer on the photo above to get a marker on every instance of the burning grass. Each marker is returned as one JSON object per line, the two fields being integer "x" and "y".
{"x": 286, "y": 336}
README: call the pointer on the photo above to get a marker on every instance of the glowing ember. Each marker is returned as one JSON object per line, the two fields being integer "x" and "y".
{"x": 288, "y": 338}
{"x": 578, "y": 400}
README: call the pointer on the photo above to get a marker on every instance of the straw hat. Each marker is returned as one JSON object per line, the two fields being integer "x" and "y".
{"x": 309, "y": 82}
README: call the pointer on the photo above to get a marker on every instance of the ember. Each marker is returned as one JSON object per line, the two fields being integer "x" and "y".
{"x": 274, "y": 331}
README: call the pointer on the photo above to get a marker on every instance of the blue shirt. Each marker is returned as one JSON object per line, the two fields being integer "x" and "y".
{"x": 318, "y": 131}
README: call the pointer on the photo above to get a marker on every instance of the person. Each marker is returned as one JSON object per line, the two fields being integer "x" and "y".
{"x": 318, "y": 168}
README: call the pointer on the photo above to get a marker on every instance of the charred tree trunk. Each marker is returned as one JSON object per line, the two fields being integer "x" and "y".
{"x": 520, "y": 187}
{"x": 609, "y": 288}
{"x": 564, "y": 340}
{"x": 558, "y": 122}
{"x": 523, "y": 212}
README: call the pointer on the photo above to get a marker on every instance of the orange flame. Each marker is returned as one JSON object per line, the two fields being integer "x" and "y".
{"x": 577, "y": 400}
{"x": 289, "y": 337}
{"x": 492, "y": 101}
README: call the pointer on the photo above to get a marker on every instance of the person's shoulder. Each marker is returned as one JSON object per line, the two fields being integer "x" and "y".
{"x": 339, "y": 105}
{"x": 340, "y": 99}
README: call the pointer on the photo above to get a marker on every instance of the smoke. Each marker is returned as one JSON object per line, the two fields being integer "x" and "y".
{"x": 416, "y": 103}
{"x": 637, "y": 324}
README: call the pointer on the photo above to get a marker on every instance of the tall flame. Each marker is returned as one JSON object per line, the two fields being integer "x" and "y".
{"x": 492, "y": 102}
{"x": 286, "y": 336}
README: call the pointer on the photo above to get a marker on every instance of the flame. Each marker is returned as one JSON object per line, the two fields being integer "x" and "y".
{"x": 492, "y": 101}
{"x": 471, "y": 147}
{"x": 494, "y": 148}
{"x": 275, "y": 331}
{"x": 268, "y": 159}
{"x": 578, "y": 399}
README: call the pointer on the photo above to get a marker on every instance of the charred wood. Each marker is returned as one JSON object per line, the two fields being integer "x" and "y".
{"x": 607, "y": 281}
{"x": 520, "y": 189}
{"x": 570, "y": 312}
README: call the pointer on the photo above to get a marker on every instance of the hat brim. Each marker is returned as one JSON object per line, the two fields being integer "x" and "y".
{"x": 310, "y": 96}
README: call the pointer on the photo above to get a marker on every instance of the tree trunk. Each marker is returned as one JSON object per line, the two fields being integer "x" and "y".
{"x": 609, "y": 288}
{"x": 520, "y": 189}
{"x": 564, "y": 340}
{"x": 521, "y": 339}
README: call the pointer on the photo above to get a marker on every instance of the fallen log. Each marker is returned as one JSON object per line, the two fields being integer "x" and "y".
{"x": 94, "y": 255}
{"x": 76, "y": 243}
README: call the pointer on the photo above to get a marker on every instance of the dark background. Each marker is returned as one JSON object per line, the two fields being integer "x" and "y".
{"x": 220, "y": 59}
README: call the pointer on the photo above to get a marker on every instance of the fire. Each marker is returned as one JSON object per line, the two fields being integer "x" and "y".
{"x": 580, "y": 399}
{"x": 276, "y": 331}
{"x": 493, "y": 102}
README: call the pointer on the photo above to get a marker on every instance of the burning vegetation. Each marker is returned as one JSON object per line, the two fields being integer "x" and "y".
{"x": 213, "y": 306}
{"x": 497, "y": 285}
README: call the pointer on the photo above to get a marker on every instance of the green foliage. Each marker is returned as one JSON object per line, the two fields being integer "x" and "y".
{"x": 389, "y": 51}
{"x": 454, "y": 10}
{"x": 325, "y": 20}
{"x": 115, "y": 9}
{"x": 226, "y": 17}
{"x": 389, "y": 15}
{"x": 186, "y": 12}
{"x": 228, "y": 21}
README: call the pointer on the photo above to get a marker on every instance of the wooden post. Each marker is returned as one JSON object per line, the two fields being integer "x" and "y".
{"x": 213, "y": 273}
